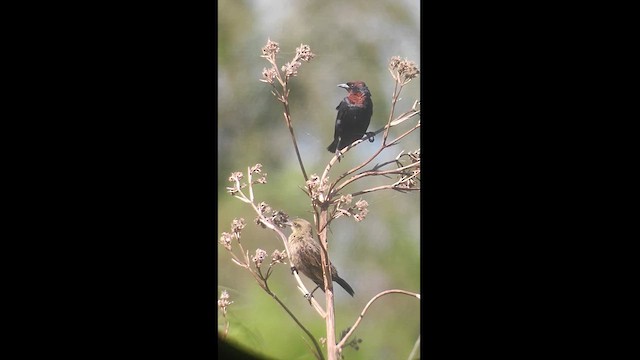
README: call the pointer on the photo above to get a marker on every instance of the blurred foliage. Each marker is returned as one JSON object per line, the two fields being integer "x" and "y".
{"x": 353, "y": 41}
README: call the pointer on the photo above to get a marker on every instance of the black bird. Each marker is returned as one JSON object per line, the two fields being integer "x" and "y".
{"x": 354, "y": 116}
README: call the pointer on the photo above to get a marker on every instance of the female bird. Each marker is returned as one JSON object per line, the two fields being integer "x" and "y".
{"x": 305, "y": 255}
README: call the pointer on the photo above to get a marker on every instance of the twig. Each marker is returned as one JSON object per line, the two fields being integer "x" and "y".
{"x": 384, "y": 187}
{"x": 374, "y": 173}
{"x": 412, "y": 355}
{"x": 328, "y": 284}
{"x": 315, "y": 343}
{"x": 355, "y": 325}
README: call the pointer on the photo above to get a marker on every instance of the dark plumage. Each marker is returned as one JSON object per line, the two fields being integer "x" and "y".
{"x": 354, "y": 115}
{"x": 305, "y": 255}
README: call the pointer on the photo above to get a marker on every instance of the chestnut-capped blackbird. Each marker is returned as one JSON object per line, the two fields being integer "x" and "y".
{"x": 305, "y": 255}
{"x": 354, "y": 115}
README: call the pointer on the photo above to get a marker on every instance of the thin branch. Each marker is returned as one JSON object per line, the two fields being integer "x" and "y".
{"x": 287, "y": 119}
{"x": 315, "y": 343}
{"x": 412, "y": 355}
{"x": 384, "y": 187}
{"x": 380, "y": 166}
{"x": 394, "y": 100}
{"x": 249, "y": 178}
{"x": 226, "y": 328}
{"x": 262, "y": 282}
{"x": 284, "y": 99}
{"x": 355, "y": 325}
{"x": 328, "y": 285}
{"x": 396, "y": 140}
{"x": 399, "y": 170}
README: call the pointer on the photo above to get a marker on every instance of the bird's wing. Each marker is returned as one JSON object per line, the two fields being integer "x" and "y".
{"x": 315, "y": 250}
{"x": 342, "y": 109}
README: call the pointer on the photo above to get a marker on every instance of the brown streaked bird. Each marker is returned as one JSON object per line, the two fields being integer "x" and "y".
{"x": 354, "y": 116}
{"x": 305, "y": 255}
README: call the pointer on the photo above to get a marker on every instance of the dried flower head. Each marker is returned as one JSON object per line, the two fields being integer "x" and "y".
{"x": 264, "y": 208}
{"x": 224, "y": 302}
{"x": 360, "y": 211}
{"x": 394, "y": 63}
{"x": 362, "y": 204}
{"x": 408, "y": 69}
{"x": 346, "y": 199}
{"x": 354, "y": 342}
{"x": 403, "y": 70}
{"x": 225, "y": 240}
{"x": 237, "y": 225}
{"x": 260, "y": 256}
{"x": 409, "y": 179}
{"x": 291, "y": 68}
{"x": 414, "y": 155}
{"x": 313, "y": 181}
{"x": 235, "y": 176}
{"x": 268, "y": 75}
{"x": 270, "y": 49}
{"x": 278, "y": 257}
{"x": 280, "y": 219}
{"x": 316, "y": 186}
{"x": 304, "y": 53}
{"x": 257, "y": 168}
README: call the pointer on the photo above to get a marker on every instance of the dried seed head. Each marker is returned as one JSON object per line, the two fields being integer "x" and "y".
{"x": 304, "y": 53}
{"x": 360, "y": 210}
{"x": 270, "y": 49}
{"x": 268, "y": 75}
{"x": 316, "y": 186}
{"x": 264, "y": 208}
{"x": 280, "y": 219}
{"x": 403, "y": 70}
{"x": 235, "y": 176}
{"x": 224, "y": 302}
{"x": 257, "y": 168}
{"x": 291, "y": 68}
{"x": 278, "y": 257}
{"x": 225, "y": 240}
{"x": 237, "y": 225}
{"x": 346, "y": 199}
{"x": 394, "y": 63}
{"x": 260, "y": 256}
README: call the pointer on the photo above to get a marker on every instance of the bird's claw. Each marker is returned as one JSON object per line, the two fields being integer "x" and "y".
{"x": 371, "y": 136}
{"x": 338, "y": 155}
{"x": 293, "y": 268}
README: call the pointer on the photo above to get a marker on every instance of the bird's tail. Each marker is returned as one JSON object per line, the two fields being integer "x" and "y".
{"x": 344, "y": 284}
{"x": 332, "y": 147}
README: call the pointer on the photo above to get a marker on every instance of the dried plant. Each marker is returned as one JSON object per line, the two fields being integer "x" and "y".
{"x": 328, "y": 200}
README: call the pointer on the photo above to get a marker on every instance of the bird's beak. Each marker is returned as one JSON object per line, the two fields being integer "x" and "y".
{"x": 344, "y": 86}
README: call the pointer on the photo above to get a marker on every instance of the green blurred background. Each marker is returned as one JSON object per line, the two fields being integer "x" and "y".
{"x": 352, "y": 40}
